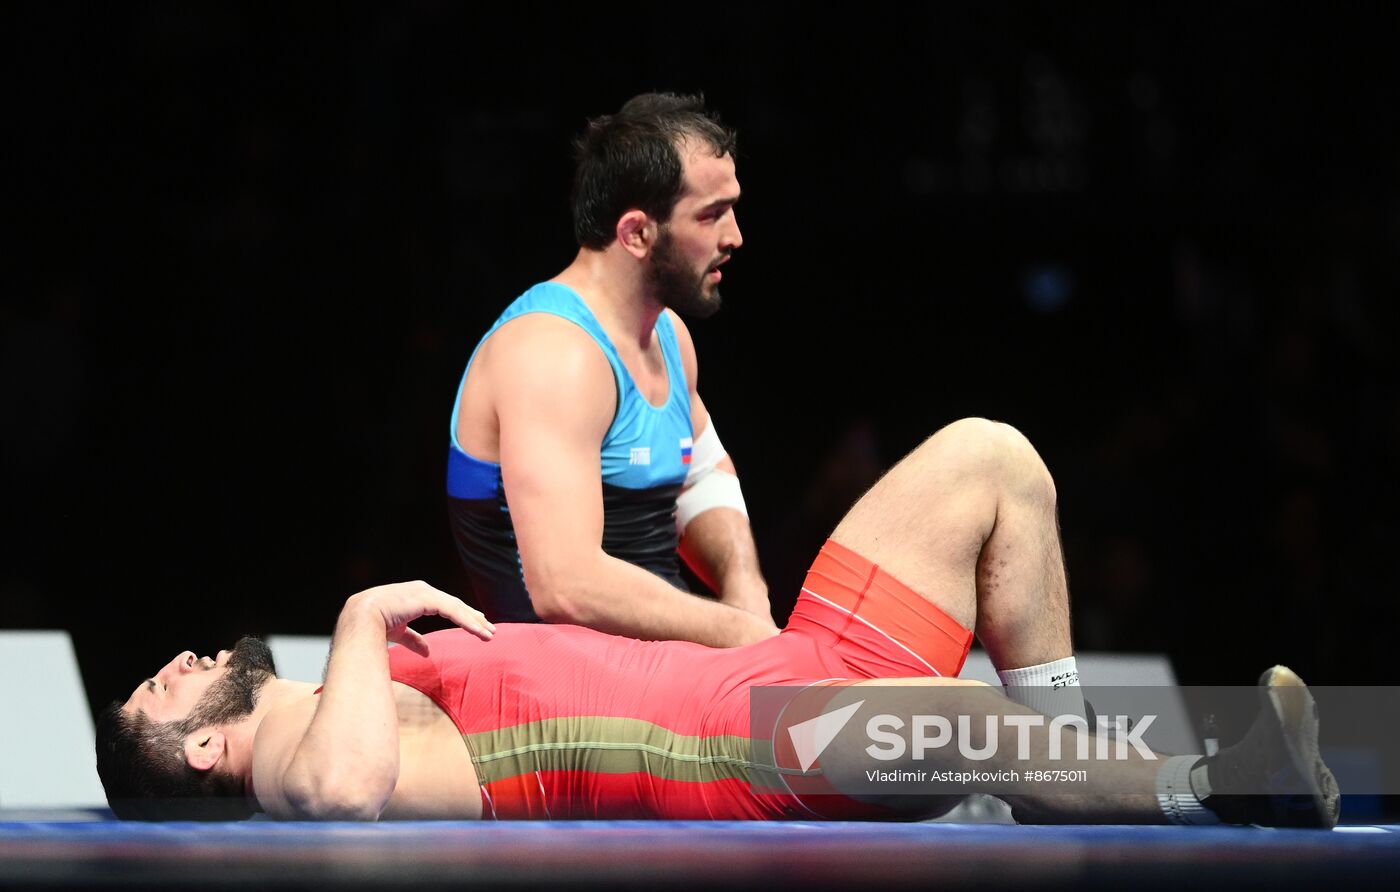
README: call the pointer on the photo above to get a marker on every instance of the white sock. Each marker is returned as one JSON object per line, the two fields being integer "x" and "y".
{"x": 1179, "y": 795}
{"x": 1050, "y": 688}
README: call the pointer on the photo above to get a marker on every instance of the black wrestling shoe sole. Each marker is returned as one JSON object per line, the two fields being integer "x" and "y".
{"x": 1290, "y": 705}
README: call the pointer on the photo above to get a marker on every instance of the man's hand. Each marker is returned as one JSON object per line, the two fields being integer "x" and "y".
{"x": 752, "y": 626}
{"x": 401, "y": 603}
{"x": 718, "y": 546}
{"x": 750, "y": 598}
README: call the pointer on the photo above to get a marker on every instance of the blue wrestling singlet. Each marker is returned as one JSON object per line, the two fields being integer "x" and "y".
{"x": 644, "y": 459}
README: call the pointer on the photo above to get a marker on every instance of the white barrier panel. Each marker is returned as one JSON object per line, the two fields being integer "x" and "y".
{"x": 300, "y": 657}
{"x": 46, "y": 733}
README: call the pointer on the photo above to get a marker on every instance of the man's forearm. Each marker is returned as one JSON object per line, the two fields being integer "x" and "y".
{"x": 614, "y": 596}
{"x": 347, "y": 764}
{"x": 718, "y": 545}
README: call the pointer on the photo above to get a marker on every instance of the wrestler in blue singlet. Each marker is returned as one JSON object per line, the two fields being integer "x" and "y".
{"x": 644, "y": 457}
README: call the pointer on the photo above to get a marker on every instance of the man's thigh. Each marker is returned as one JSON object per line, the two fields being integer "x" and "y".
{"x": 878, "y": 626}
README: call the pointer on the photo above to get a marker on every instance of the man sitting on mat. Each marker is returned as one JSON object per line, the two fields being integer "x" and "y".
{"x": 540, "y": 721}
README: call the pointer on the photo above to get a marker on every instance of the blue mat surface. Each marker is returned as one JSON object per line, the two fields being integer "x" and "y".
{"x": 657, "y": 855}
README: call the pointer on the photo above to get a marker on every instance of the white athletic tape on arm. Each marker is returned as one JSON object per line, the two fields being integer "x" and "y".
{"x": 705, "y": 454}
{"x": 719, "y": 489}
{"x": 707, "y": 487}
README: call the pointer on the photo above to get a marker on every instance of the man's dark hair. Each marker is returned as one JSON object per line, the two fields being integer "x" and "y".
{"x": 143, "y": 769}
{"x": 631, "y": 160}
{"x": 142, "y": 763}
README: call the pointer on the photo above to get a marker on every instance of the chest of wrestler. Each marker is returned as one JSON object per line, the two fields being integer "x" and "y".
{"x": 566, "y": 722}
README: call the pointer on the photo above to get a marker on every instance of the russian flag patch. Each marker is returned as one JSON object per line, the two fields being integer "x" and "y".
{"x": 686, "y": 443}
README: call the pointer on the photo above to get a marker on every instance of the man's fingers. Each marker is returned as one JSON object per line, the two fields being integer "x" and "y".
{"x": 457, "y": 610}
{"x": 401, "y": 603}
{"x": 409, "y": 639}
{"x": 473, "y": 621}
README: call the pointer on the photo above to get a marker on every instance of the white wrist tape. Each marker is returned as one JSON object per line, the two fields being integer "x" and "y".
{"x": 706, "y": 486}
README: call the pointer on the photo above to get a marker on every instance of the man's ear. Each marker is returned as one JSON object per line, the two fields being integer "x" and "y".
{"x": 636, "y": 232}
{"x": 204, "y": 748}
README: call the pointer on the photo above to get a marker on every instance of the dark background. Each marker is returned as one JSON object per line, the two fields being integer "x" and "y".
{"x": 252, "y": 246}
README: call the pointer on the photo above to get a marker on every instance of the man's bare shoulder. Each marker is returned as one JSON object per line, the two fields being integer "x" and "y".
{"x": 274, "y": 745}
{"x": 538, "y": 364}
{"x": 544, "y": 343}
{"x": 545, "y": 371}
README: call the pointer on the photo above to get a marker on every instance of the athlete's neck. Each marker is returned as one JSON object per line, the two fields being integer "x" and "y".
{"x": 612, "y": 284}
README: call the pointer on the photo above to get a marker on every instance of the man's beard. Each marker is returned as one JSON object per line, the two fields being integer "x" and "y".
{"x": 675, "y": 285}
{"x": 233, "y": 697}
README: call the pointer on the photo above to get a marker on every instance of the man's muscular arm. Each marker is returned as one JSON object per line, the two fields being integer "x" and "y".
{"x": 552, "y": 419}
{"x": 346, "y": 764}
{"x": 718, "y": 543}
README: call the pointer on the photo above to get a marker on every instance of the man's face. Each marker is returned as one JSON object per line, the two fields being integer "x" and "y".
{"x": 683, "y": 267}
{"x": 202, "y": 691}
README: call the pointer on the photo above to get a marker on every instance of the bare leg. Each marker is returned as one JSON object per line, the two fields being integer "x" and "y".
{"x": 1115, "y": 790}
{"x": 1273, "y": 776}
{"x": 968, "y": 521}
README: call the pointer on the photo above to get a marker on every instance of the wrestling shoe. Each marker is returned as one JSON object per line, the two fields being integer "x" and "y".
{"x": 1274, "y": 776}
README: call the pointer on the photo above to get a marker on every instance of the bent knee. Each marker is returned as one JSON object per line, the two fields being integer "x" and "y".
{"x": 984, "y": 431}
{"x": 995, "y": 448}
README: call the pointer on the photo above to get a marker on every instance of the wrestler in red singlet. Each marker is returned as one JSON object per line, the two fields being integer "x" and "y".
{"x": 566, "y": 722}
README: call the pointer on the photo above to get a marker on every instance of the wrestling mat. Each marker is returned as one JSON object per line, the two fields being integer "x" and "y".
{"x": 664, "y": 856}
